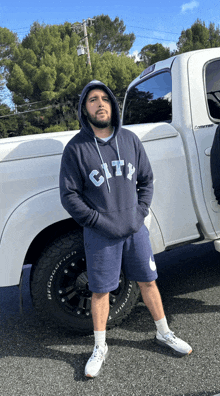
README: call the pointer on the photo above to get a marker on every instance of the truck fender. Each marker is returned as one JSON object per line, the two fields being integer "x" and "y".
{"x": 156, "y": 238}
{"x": 24, "y": 224}
{"x": 30, "y": 218}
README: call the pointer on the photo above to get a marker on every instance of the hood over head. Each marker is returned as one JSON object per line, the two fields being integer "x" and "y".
{"x": 95, "y": 84}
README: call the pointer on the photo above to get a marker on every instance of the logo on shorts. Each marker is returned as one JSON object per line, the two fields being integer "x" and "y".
{"x": 152, "y": 264}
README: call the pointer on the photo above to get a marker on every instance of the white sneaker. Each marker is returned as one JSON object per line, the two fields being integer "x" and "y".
{"x": 94, "y": 363}
{"x": 169, "y": 340}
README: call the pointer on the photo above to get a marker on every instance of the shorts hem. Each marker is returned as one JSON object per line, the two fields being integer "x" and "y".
{"x": 151, "y": 279}
{"x": 103, "y": 290}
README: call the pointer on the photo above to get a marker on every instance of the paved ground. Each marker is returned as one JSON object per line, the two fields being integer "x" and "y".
{"x": 40, "y": 361}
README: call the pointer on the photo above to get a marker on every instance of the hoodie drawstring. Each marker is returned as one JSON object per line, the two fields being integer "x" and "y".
{"x": 103, "y": 164}
{"x": 117, "y": 148}
{"x": 100, "y": 155}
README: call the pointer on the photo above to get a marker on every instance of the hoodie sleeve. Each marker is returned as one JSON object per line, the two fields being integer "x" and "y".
{"x": 144, "y": 180}
{"x": 71, "y": 190}
{"x": 215, "y": 164}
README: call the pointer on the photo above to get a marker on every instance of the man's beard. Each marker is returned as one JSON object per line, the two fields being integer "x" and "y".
{"x": 98, "y": 124}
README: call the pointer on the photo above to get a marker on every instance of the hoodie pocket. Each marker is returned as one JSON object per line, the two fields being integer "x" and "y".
{"x": 120, "y": 223}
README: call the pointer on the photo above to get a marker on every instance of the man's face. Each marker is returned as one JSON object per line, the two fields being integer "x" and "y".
{"x": 98, "y": 108}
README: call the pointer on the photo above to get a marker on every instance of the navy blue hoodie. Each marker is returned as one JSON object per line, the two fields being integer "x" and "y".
{"x": 215, "y": 164}
{"x": 107, "y": 186}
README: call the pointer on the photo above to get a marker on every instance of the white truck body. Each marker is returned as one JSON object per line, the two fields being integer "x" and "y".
{"x": 184, "y": 208}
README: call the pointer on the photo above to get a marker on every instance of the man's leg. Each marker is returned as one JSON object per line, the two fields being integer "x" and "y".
{"x": 103, "y": 259}
{"x": 152, "y": 299}
{"x": 100, "y": 310}
{"x": 164, "y": 337}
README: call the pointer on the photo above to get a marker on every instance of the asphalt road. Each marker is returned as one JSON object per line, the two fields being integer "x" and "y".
{"x": 36, "y": 360}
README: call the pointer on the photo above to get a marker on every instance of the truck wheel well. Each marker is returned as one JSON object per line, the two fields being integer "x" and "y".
{"x": 46, "y": 236}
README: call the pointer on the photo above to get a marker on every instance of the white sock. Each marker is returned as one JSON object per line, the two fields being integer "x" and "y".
{"x": 162, "y": 326}
{"x": 100, "y": 337}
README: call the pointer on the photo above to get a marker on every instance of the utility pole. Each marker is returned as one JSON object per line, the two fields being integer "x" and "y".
{"x": 86, "y": 43}
{"x": 81, "y": 49}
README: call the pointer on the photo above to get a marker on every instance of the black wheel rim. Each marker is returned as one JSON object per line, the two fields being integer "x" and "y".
{"x": 71, "y": 289}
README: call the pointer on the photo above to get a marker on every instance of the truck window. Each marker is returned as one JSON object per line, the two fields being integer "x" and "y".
{"x": 149, "y": 101}
{"x": 212, "y": 77}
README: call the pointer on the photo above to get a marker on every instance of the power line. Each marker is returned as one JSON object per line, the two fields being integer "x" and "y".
{"x": 152, "y": 30}
{"x": 28, "y": 111}
{"x": 135, "y": 27}
{"x": 31, "y": 103}
{"x": 22, "y": 28}
{"x": 153, "y": 38}
{"x": 25, "y": 104}
{"x": 55, "y": 106}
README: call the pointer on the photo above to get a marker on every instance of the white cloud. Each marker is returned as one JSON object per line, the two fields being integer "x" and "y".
{"x": 135, "y": 55}
{"x": 189, "y": 6}
{"x": 172, "y": 46}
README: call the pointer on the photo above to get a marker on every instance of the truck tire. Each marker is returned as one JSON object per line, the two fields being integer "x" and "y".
{"x": 59, "y": 287}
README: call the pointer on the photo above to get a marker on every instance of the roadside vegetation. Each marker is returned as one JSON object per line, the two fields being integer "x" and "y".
{"x": 45, "y": 76}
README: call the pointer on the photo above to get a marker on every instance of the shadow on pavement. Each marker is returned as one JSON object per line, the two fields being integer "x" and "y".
{"x": 192, "y": 269}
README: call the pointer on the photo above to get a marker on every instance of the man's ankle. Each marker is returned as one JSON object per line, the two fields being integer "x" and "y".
{"x": 162, "y": 326}
{"x": 100, "y": 338}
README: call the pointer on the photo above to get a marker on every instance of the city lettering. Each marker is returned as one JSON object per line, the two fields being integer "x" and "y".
{"x": 98, "y": 179}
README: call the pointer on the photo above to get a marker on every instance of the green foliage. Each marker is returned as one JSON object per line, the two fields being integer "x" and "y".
{"x": 8, "y": 42}
{"x": 199, "y": 37}
{"x": 74, "y": 125}
{"x": 153, "y": 53}
{"x": 48, "y": 61}
{"x": 8, "y": 125}
{"x": 116, "y": 71}
{"x": 109, "y": 35}
{"x": 56, "y": 128}
{"x": 46, "y": 76}
{"x": 1, "y": 87}
{"x": 29, "y": 129}
{"x": 19, "y": 80}
{"x": 214, "y": 36}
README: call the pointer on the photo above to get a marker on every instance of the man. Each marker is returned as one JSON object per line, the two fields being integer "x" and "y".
{"x": 215, "y": 164}
{"x": 106, "y": 185}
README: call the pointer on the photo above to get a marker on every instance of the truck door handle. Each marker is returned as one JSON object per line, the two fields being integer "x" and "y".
{"x": 208, "y": 151}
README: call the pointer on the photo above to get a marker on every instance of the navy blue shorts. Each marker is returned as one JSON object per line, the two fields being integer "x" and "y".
{"x": 105, "y": 257}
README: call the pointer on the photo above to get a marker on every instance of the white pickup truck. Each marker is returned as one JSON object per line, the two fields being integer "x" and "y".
{"x": 174, "y": 108}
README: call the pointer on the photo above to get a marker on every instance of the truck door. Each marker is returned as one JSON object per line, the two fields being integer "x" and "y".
{"x": 204, "y": 83}
{"x": 148, "y": 113}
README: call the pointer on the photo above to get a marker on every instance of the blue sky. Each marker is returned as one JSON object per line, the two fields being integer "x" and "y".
{"x": 151, "y": 21}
